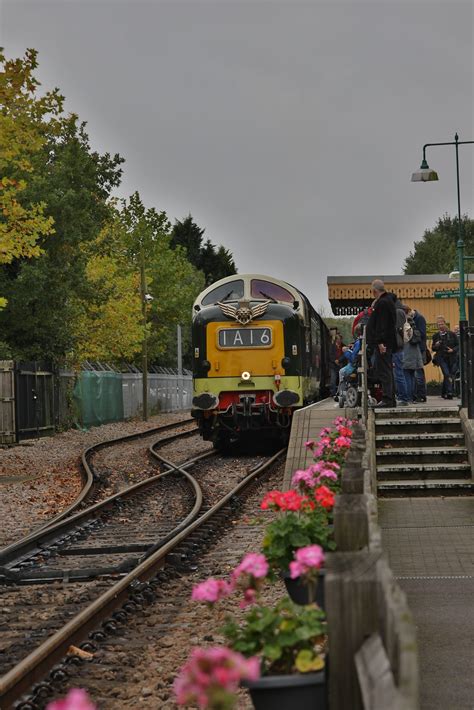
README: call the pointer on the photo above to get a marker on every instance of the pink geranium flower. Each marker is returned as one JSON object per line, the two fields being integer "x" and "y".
{"x": 342, "y": 442}
{"x": 254, "y": 564}
{"x": 211, "y": 677}
{"x": 307, "y": 559}
{"x": 76, "y": 699}
{"x": 211, "y": 591}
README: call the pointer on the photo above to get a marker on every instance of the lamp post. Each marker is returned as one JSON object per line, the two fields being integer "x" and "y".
{"x": 426, "y": 174}
{"x": 146, "y": 299}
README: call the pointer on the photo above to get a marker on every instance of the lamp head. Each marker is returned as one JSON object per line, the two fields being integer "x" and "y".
{"x": 454, "y": 275}
{"x": 424, "y": 174}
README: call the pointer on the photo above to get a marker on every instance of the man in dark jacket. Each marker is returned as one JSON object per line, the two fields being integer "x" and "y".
{"x": 382, "y": 338}
{"x": 445, "y": 346}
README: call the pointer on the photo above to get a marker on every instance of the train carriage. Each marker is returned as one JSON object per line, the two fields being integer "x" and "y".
{"x": 260, "y": 351}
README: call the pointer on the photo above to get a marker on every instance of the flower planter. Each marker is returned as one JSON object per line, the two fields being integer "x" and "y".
{"x": 299, "y": 691}
{"x": 299, "y": 593}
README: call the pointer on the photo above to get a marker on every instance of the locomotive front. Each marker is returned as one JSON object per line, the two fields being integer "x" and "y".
{"x": 248, "y": 343}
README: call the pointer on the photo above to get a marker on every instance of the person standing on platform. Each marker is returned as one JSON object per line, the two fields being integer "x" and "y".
{"x": 412, "y": 360}
{"x": 420, "y": 379}
{"x": 397, "y": 357}
{"x": 382, "y": 337}
{"x": 445, "y": 346}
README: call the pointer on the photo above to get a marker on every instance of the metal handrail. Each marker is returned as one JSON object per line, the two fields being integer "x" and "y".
{"x": 364, "y": 388}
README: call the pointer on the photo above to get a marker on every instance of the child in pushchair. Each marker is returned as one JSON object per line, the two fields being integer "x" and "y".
{"x": 348, "y": 393}
{"x": 348, "y": 390}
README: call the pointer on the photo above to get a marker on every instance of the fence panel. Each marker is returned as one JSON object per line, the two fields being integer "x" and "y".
{"x": 99, "y": 397}
{"x": 34, "y": 394}
{"x": 7, "y": 402}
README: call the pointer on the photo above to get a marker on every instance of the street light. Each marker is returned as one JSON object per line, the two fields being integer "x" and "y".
{"x": 426, "y": 174}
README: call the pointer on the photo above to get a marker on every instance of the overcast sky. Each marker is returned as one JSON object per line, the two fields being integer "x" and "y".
{"x": 289, "y": 130}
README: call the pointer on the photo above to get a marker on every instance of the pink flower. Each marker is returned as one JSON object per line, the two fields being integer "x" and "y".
{"x": 250, "y": 597}
{"x": 309, "y": 444}
{"x": 325, "y": 497}
{"x": 296, "y": 569}
{"x": 307, "y": 559}
{"x": 76, "y": 699}
{"x": 254, "y": 564}
{"x": 211, "y": 676}
{"x": 342, "y": 442}
{"x": 211, "y": 591}
{"x": 328, "y": 473}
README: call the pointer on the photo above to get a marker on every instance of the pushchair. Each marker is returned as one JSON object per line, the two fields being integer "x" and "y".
{"x": 349, "y": 393}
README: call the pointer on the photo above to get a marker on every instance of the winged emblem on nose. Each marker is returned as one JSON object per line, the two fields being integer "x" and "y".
{"x": 243, "y": 313}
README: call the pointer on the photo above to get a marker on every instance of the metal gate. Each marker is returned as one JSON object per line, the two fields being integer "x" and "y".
{"x": 34, "y": 394}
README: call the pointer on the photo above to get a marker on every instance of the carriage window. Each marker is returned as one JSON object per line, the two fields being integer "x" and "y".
{"x": 267, "y": 289}
{"x": 230, "y": 291}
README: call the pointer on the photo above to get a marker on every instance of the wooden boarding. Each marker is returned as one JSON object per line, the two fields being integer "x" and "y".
{"x": 7, "y": 402}
{"x": 375, "y": 677}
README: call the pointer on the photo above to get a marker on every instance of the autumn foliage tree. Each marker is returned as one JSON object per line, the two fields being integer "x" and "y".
{"x": 25, "y": 119}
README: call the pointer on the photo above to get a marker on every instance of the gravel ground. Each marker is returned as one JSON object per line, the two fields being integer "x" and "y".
{"x": 137, "y": 667}
{"x": 122, "y": 465}
{"x": 38, "y": 481}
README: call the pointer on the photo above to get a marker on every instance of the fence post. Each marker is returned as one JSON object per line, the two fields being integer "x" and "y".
{"x": 351, "y": 610}
{"x": 180, "y": 367}
{"x": 470, "y": 372}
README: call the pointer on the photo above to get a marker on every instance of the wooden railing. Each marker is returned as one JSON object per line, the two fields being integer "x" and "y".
{"x": 372, "y": 639}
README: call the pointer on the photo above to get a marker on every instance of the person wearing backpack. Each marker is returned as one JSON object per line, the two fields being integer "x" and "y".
{"x": 420, "y": 379}
{"x": 382, "y": 338}
{"x": 412, "y": 360}
{"x": 397, "y": 358}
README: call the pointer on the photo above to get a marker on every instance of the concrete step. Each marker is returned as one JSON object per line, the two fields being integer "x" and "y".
{"x": 406, "y": 471}
{"x": 417, "y": 412}
{"x": 420, "y": 439}
{"x": 397, "y": 425}
{"x": 419, "y": 487}
{"x": 422, "y": 455}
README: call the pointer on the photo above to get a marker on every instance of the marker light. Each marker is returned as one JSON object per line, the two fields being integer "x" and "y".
{"x": 245, "y": 376}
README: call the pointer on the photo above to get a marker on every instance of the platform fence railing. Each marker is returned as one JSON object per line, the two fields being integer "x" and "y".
{"x": 364, "y": 385}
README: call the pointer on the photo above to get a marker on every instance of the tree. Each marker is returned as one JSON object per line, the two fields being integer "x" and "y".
{"x": 111, "y": 323}
{"x": 214, "y": 263}
{"x": 25, "y": 120}
{"x": 74, "y": 184}
{"x": 435, "y": 253}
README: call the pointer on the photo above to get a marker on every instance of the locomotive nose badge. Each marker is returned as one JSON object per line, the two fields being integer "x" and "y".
{"x": 244, "y": 313}
{"x": 245, "y": 376}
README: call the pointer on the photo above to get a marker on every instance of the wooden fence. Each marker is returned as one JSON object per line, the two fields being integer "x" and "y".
{"x": 372, "y": 639}
{"x": 7, "y": 403}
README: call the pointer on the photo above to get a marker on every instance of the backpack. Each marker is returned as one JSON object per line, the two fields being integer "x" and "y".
{"x": 407, "y": 332}
{"x": 401, "y": 328}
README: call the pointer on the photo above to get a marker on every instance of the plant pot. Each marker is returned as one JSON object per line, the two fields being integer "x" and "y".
{"x": 298, "y": 590}
{"x": 299, "y": 691}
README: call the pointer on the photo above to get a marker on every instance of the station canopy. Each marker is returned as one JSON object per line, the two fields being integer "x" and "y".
{"x": 348, "y": 295}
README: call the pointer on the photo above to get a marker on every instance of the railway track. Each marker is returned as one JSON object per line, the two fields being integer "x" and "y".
{"x": 49, "y": 579}
{"x": 90, "y": 480}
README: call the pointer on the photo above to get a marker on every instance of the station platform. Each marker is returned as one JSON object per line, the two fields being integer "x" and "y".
{"x": 307, "y": 423}
{"x": 429, "y": 541}
{"x": 430, "y": 547}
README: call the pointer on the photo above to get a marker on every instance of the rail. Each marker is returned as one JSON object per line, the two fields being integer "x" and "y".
{"x": 70, "y": 516}
{"x": 32, "y": 668}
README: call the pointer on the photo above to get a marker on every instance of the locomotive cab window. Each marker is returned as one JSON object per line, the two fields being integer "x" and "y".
{"x": 231, "y": 291}
{"x": 271, "y": 291}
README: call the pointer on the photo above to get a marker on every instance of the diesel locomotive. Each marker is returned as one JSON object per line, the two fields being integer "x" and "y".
{"x": 260, "y": 351}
